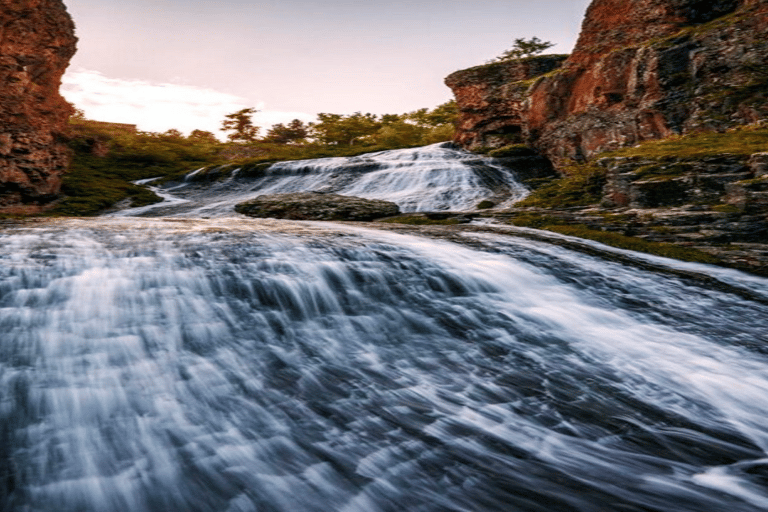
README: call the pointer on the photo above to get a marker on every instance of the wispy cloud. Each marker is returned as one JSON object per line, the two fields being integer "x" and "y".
{"x": 158, "y": 107}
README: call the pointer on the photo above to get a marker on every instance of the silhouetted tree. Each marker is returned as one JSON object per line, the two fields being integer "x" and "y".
{"x": 524, "y": 48}
{"x": 202, "y": 136}
{"x": 337, "y": 129}
{"x": 241, "y": 126}
{"x": 296, "y": 131}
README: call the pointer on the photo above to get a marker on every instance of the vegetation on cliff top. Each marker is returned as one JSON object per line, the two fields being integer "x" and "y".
{"x": 524, "y": 48}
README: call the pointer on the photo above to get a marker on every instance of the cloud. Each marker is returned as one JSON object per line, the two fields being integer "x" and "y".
{"x": 157, "y": 107}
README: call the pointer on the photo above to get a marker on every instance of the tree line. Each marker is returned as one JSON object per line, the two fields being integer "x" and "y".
{"x": 420, "y": 126}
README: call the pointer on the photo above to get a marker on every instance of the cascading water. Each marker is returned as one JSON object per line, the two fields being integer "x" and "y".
{"x": 234, "y": 364}
{"x": 431, "y": 178}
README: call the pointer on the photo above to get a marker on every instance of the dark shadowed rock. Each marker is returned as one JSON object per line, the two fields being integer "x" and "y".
{"x": 317, "y": 206}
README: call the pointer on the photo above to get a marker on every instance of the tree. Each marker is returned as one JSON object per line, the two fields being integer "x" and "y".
{"x": 172, "y": 133}
{"x": 296, "y": 131}
{"x": 524, "y": 48}
{"x": 78, "y": 114}
{"x": 337, "y": 129}
{"x": 203, "y": 136}
{"x": 241, "y": 126}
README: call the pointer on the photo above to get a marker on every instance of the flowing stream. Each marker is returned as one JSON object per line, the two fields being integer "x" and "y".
{"x": 234, "y": 364}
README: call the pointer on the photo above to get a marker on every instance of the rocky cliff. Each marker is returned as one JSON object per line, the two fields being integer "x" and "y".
{"x": 640, "y": 70}
{"x": 492, "y": 99}
{"x": 36, "y": 43}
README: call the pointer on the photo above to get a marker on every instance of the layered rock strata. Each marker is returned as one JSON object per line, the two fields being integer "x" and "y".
{"x": 36, "y": 43}
{"x": 645, "y": 69}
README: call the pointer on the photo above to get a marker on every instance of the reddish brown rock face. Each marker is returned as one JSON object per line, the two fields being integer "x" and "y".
{"x": 36, "y": 43}
{"x": 644, "y": 69}
{"x": 492, "y": 99}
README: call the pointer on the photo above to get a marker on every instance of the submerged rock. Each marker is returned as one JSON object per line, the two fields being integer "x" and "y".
{"x": 317, "y": 206}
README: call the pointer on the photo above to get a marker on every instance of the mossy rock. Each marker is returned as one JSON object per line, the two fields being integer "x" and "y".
{"x": 317, "y": 206}
{"x": 484, "y": 205}
{"x": 255, "y": 171}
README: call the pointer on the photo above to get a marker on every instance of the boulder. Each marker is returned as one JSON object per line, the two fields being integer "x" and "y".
{"x": 317, "y": 206}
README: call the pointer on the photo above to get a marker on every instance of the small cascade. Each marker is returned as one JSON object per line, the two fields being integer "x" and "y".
{"x": 431, "y": 178}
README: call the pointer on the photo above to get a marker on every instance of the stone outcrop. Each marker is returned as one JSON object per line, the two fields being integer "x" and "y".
{"x": 317, "y": 206}
{"x": 492, "y": 100}
{"x": 643, "y": 183}
{"x": 645, "y": 69}
{"x": 36, "y": 43}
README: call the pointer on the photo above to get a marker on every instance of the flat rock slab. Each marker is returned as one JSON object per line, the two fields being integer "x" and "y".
{"x": 317, "y": 206}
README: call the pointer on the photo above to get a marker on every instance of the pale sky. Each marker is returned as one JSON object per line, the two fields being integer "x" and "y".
{"x": 186, "y": 63}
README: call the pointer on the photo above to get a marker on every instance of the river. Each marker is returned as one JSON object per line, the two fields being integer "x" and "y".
{"x": 156, "y": 360}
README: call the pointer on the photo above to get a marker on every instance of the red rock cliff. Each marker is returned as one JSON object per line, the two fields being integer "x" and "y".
{"x": 645, "y": 69}
{"x": 492, "y": 99}
{"x": 36, "y": 43}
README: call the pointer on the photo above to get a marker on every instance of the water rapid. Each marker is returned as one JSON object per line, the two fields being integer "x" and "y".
{"x": 233, "y": 364}
{"x": 431, "y": 178}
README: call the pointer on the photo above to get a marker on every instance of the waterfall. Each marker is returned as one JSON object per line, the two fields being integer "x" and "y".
{"x": 237, "y": 364}
{"x": 431, "y": 178}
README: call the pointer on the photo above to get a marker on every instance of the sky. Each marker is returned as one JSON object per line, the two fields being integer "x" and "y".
{"x": 185, "y": 64}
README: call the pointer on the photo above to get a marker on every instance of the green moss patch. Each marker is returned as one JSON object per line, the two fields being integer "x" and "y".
{"x": 582, "y": 186}
{"x": 740, "y": 142}
{"x": 484, "y": 205}
{"x": 613, "y": 239}
{"x": 636, "y": 244}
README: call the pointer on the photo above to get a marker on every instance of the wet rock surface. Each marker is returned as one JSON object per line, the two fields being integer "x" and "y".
{"x": 36, "y": 43}
{"x": 317, "y": 206}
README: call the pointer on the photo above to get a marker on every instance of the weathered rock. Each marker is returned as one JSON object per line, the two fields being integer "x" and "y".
{"x": 492, "y": 99}
{"x": 36, "y": 43}
{"x": 640, "y": 183}
{"x": 645, "y": 69}
{"x": 738, "y": 239}
{"x": 758, "y": 163}
{"x": 317, "y": 206}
